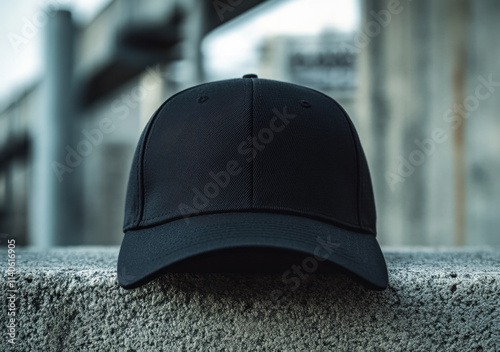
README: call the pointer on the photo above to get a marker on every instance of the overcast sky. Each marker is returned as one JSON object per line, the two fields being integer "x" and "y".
{"x": 21, "y": 64}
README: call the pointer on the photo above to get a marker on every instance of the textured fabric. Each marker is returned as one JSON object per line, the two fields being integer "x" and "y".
{"x": 246, "y": 146}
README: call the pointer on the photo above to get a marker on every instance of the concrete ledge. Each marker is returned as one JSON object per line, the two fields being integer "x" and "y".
{"x": 68, "y": 300}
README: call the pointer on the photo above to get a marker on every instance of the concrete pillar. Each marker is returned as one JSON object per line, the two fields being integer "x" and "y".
{"x": 430, "y": 72}
{"x": 458, "y": 25}
{"x": 54, "y": 218}
{"x": 406, "y": 75}
{"x": 482, "y": 135}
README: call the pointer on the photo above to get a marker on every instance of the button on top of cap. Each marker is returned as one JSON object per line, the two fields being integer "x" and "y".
{"x": 250, "y": 75}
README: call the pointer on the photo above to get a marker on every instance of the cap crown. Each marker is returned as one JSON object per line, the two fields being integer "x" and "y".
{"x": 250, "y": 145}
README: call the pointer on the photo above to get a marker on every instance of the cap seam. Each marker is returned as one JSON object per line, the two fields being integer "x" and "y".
{"x": 289, "y": 211}
{"x": 209, "y": 239}
{"x": 252, "y": 103}
{"x": 357, "y": 166}
{"x": 135, "y": 220}
{"x": 142, "y": 158}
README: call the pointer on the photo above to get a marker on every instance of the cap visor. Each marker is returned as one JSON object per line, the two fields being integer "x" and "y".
{"x": 149, "y": 252}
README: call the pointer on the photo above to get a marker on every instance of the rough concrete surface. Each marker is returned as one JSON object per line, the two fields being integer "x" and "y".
{"x": 439, "y": 300}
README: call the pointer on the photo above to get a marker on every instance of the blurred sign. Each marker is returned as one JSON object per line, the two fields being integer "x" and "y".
{"x": 322, "y": 63}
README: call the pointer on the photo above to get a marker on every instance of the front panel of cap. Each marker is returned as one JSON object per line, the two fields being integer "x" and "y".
{"x": 306, "y": 157}
{"x": 191, "y": 159}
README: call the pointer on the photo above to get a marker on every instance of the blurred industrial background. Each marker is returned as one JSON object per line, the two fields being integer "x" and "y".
{"x": 420, "y": 80}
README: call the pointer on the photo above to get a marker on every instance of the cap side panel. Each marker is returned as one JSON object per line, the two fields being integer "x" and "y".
{"x": 135, "y": 191}
{"x": 134, "y": 203}
{"x": 366, "y": 202}
{"x": 192, "y": 161}
{"x": 306, "y": 158}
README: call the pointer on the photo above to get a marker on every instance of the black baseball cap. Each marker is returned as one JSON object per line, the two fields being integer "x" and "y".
{"x": 250, "y": 175}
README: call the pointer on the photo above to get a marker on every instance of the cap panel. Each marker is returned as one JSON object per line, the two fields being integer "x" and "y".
{"x": 309, "y": 162}
{"x": 134, "y": 198}
{"x": 365, "y": 199}
{"x": 368, "y": 214}
{"x": 191, "y": 160}
{"x": 366, "y": 202}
